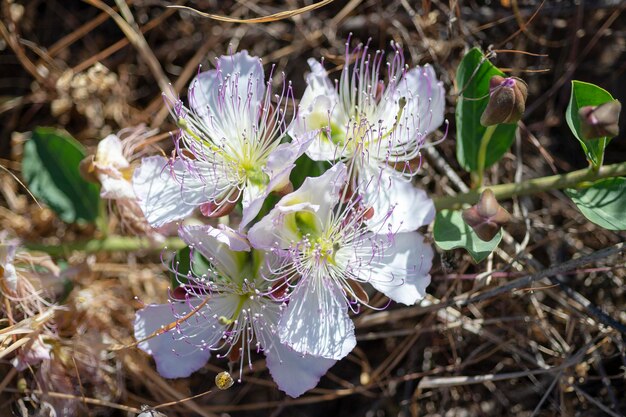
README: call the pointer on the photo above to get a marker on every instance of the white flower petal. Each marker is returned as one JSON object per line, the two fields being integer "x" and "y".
{"x": 284, "y": 156}
{"x": 253, "y": 197}
{"x": 8, "y": 248}
{"x": 294, "y": 372}
{"x": 318, "y": 109}
{"x": 113, "y": 188}
{"x": 317, "y": 195}
{"x": 323, "y": 191}
{"x": 166, "y": 194}
{"x": 251, "y": 192}
{"x": 278, "y": 167}
{"x": 204, "y": 90}
{"x": 224, "y": 247}
{"x": 318, "y": 84}
{"x": 425, "y": 97}
{"x": 183, "y": 350}
{"x": 315, "y": 123}
{"x": 271, "y": 231}
{"x": 110, "y": 153}
{"x": 229, "y": 98}
{"x": 108, "y": 162}
{"x": 316, "y": 321}
{"x": 401, "y": 270}
{"x": 398, "y": 205}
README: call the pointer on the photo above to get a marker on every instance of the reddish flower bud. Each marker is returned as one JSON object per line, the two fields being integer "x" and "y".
{"x": 346, "y": 193}
{"x": 487, "y": 217}
{"x": 368, "y": 213}
{"x": 215, "y": 210}
{"x": 507, "y": 101}
{"x": 234, "y": 355}
{"x": 279, "y": 289}
{"x": 357, "y": 291}
{"x": 600, "y": 121}
{"x": 179, "y": 293}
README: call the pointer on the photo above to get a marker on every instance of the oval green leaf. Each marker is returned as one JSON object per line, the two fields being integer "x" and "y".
{"x": 451, "y": 232}
{"x": 50, "y": 167}
{"x": 604, "y": 203}
{"x": 586, "y": 94}
{"x": 472, "y": 79}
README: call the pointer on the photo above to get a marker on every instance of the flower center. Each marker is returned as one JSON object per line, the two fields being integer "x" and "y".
{"x": 250, "y": 166}
{"x": 256, "y": 175}
{"x": 324, "y": 249}
{"x": 242, "y": 294}
{"x": 358, "y": 135}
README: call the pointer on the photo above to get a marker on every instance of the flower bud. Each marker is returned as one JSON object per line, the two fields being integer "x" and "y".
{"x": 487, "y": 217}
{"x": 600, "y": 121}
{"x": 507, "y": 101}
{"x": 357, "y": 292}
{"x": 214, "y": 210}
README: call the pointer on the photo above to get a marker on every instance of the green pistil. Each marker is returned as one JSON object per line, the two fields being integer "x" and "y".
{"x": 225, "y": 321}
{"x": 182, "y": 123}
{"x": 337, "y": 134}
{"x": 401, "y": 103}
{"x": 327, "y": 249}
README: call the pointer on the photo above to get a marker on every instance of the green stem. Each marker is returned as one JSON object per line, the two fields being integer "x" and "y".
{"x": 502, "y": 192}
{"x": 482, "y": 155}
{"x": 108, "y": 244}
{"x": 533, "y": 186}
{"x": 597, "y": 166}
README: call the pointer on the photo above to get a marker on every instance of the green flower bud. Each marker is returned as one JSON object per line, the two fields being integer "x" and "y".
{"x": 600, "y": 121}
{"x": 487, "y": 217}
{"x": 507, "y": 101}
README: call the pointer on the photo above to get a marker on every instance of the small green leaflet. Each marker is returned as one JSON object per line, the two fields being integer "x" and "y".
{"x": 604, "y": 203}
{"x": 451, "y": 232}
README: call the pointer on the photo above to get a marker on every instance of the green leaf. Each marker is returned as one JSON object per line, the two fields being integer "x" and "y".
{"x": 585, "y": 94}
{"x": 604, "y": 203}
{"x": 50, "y": 167}
{"x": 268, "y": 204}
{"x": 184, "y": 263}
{"x": 451, "y": 232}
{"x": 306, "y": 167}
{"x": 472, "y": 80}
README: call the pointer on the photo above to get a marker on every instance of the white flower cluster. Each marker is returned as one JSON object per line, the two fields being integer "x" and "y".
{"x": 285, "y": 279}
